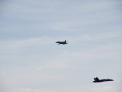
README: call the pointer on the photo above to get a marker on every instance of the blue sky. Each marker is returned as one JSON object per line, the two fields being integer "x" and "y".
{"x": 31, "y": 61}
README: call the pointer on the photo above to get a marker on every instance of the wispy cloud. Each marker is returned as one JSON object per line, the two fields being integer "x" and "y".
{"x": 30, "y": 59}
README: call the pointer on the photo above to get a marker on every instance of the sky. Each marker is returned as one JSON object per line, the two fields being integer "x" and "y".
{"x": 31, "y": 61}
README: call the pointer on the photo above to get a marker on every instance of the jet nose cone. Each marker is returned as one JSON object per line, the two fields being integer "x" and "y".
{"x": 112, "y": 80}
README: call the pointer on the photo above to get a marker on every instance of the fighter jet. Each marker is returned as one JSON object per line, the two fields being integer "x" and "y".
{"x": 62, "y": 42}
{"x": 96, "y": 80}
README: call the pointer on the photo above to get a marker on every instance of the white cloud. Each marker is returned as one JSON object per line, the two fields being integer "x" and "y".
{"x": 36, "y": 63}
{"x": 72, "y": 17}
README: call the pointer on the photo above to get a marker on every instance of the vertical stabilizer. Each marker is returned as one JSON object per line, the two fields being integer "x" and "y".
{"x": 96, "y": 79}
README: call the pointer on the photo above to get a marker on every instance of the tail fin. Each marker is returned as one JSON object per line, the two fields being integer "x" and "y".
{"x": 96, "y": 79}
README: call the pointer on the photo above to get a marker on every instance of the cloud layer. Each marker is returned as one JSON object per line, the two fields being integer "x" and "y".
{"x": 31, "y": 61}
